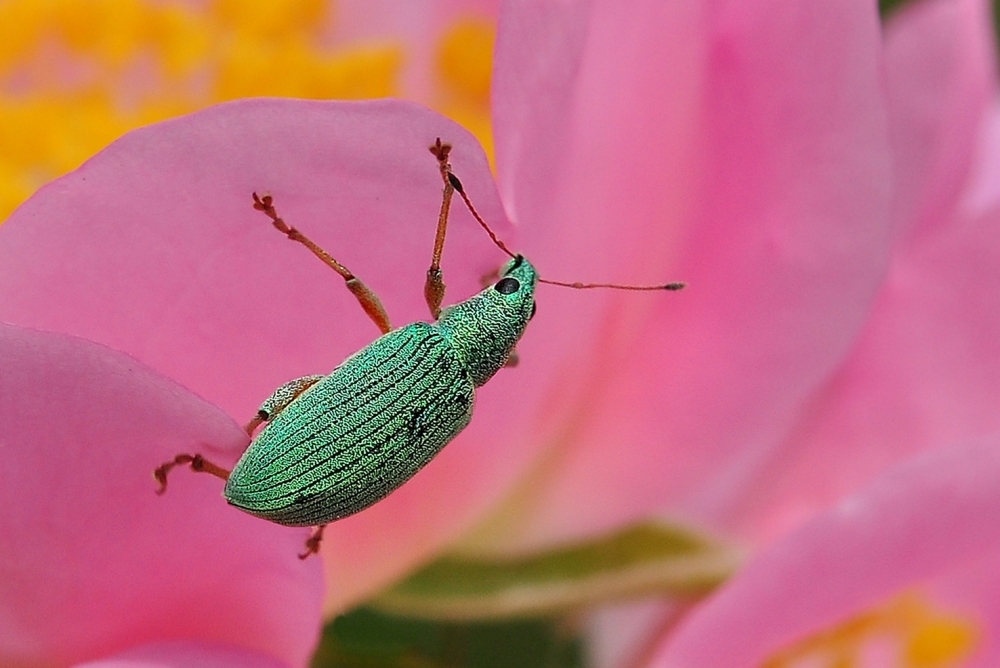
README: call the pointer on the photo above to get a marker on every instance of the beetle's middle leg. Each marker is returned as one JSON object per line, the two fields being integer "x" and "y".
{"x": 281, "y": 397}
{"x": 369, "y": 300}
{"x": 197, "y": 462}
{"x": 312, "y": 543}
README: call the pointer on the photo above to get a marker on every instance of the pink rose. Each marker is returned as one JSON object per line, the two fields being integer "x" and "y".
{"x": 927, "y": 528}
{"x": 204, "y": 290}
{"x": 814, "y": 182}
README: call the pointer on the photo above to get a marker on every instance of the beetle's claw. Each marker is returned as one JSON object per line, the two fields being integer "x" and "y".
{"x": 197, "y": 462}
{"x": 262, "y": 203}
{"x": 440, "y": 150}
{"x": 312, "y": 543}
{"x": 160, "y": 475}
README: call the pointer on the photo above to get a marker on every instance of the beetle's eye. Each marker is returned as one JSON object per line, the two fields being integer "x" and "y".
{"x": 534, "y": 307}
{"x": 507, "y": 286}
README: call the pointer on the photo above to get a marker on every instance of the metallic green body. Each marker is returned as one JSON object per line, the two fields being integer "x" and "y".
{"x": 358, "y": 434}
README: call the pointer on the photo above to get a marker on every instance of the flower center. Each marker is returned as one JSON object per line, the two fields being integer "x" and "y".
{"x": 76, "y": 74}
{"x": 465, "y": 58}
{"x": 464, "y": 69}
{"x": 909, "y": 630}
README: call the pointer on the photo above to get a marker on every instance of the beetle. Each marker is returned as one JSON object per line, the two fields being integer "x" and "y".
{"x": 334, "y": 445}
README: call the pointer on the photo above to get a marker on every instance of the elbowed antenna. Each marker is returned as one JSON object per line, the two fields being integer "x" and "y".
{"x": 453, "y": 184}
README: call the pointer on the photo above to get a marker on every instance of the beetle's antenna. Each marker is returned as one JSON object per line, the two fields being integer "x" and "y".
{"x": 614, "y": 286}
{"x": 452, "y": 183}
{"x": 441, "y": 151}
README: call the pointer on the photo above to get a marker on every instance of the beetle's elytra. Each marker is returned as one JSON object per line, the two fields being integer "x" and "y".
{"x": 334, "y": 445}
{"x": 359, "y": 433}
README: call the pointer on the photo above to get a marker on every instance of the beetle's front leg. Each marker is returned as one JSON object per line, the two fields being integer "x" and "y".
{"x": 434, "y": 286}
{"x": 281, "y": 397}
{"x": 312, "y": 543}
{"x": 197, "y": 462}
{"x": 369, "y": 300}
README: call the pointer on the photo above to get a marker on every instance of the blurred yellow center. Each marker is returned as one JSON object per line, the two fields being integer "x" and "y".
{"x": 465, "y": 58}
{"x": 917, "y": 634}
{"x": 464, "y": 65}
{"x": 76, "y": 74}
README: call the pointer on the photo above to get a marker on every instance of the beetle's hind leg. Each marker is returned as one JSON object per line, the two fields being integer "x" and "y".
{"x": 197, "y": 463}
{"x": 280, "y": 399}
{"x": 312, "y": 543}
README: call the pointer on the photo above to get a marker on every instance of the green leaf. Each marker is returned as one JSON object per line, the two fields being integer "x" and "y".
{"x": 364, "y": 638}
{"x": 887, "y": 7}
{"x": 638, "y": 561}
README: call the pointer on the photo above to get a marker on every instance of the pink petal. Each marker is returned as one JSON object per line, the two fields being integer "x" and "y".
{"x": 972, "y": 590}
{"x": 747, "y": 141}
{"x": 940, "y": 80}
{"x": 184, "y": 655}
{"x": 152, "y": 247}
{"x": 926, "y": 371}
{"x": 93, "y": 561}
{"x": 918, "y": 523}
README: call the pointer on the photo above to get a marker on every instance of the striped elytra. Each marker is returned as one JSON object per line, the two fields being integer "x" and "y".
{"x": 358, "y": 434}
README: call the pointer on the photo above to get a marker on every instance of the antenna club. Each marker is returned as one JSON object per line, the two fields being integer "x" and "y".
{"x": 455, "y": 183}
{"x": 675, "y": 286}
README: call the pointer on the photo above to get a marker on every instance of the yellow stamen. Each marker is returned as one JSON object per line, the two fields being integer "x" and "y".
{"x": 923, "y": 635}
{"x": 271, "y": 19}
{"x": 464, "y": 72}
{"x": 76, "y": 74}
{"x": 939, "y": 641}
{"x": 465, "y": 58}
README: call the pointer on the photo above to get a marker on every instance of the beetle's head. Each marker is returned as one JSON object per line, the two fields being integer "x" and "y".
{"x": 515, "y": 289}
{"x": 485, "y": 328}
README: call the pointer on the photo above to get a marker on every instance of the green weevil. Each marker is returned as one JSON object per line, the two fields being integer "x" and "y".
{"x": 334, "y": 445}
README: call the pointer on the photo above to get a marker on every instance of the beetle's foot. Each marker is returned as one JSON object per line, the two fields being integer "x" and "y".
{"x": 160, "y": 474}
{"x": 265, "y": 203}
{"x": 312, "y": 543}
{"x": 441, "y": 151}
{"x": 197, "y": 462}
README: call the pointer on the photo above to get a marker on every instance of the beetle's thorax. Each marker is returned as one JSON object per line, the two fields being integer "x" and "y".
{"x": 485, "y": 328}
